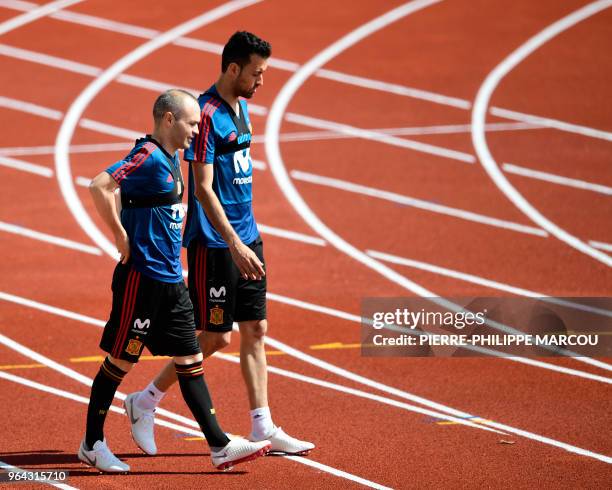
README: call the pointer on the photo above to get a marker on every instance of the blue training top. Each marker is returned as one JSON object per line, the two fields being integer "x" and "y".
{"x": 149, "y": 173}
{"x": 224, "y": 141}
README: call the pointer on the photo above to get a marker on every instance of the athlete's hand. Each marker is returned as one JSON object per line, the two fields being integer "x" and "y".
{"x": 246, "y": 260}
{"x": 123, "y": 246}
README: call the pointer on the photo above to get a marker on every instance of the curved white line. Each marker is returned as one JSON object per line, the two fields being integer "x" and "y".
{"x": 478, "y": 131}
{"x": 277, "y": 166}
{"x": 71, "y": 119}
{"x": 275, "y": 161}
{"x": 76, "y": 110}
{"x": 37, "y": 13}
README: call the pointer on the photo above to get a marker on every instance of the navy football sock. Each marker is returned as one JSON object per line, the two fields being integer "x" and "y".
{"x": 197, "y": 397}
{"x": 103, "y": 390}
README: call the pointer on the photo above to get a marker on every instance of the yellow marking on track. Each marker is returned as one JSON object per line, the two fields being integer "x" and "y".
{"x": 193, "y": 439}
{"x": 335, "y": 345}
{"x": 268, "y": 353}
{"x": 87, "y": 359}
{"x": 101, "y": 358}
{"x": 21, "y": 366}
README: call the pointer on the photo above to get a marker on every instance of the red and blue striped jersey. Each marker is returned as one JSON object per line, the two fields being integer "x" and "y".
{"x": 154, "y": 232}
{"x": 223, "y": 141}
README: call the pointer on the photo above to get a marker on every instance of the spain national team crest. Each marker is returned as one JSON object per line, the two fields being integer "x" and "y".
{"x": 216, "y": 315}
{"x": 133, "y": 347}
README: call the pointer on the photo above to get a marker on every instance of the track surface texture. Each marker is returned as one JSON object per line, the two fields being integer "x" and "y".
{"x": 414, "y": 155}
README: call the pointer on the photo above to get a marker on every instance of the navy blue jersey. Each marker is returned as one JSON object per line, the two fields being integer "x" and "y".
{"x": 224, "y": 141}
{"x": 148, "y": 171}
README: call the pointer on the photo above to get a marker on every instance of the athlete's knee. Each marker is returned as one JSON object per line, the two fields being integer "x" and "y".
{"x": 125, "y": 366}
{"x": 255, "y": 329}
{"x": 214, "y": 341}
{"x": 188, "y": 359}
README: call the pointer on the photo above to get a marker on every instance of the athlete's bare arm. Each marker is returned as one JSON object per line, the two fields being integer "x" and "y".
{"x": 102, "y": 190}
{"x": 246, "y": 260}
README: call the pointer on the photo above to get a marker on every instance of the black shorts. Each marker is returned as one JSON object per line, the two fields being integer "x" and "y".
{"x": 220, "y": 295}
{"x": 146, "y": 312}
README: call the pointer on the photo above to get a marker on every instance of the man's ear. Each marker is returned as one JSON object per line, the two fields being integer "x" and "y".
{"x": 234, "y": 70}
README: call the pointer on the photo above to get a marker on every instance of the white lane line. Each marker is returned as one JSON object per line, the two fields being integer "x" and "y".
{"x": 81, "y": 399}
{"x": 479, "y": 138}
{"x": 23, "y": 166}
{"x": 44, "y": 237}
{"x": 156, "y": 86}
{"x": 601, "y": 245}
{"x": 37, "y": 110}
{"x": 529, "y": 435}
{"x": 274, "y": 343}
{"x": 35, "y": 14}
{"x": 48, "y": 60}
{"x": 86, "y": 20}
{"x": 556, "y": 179}
{"x": 279, "y": 345}
{"x": 332, "y": 130}
{"x": 551, "y": 123}
{"x": 82, "y": 101}
{"x": 392, "y": 88}
{"x": 291, "y": 235}
{"x": 379, "y": 137}
{"x": 358, "y": 81}
{"x": 83, "y": 69}
{"x": 318, "y": 309}
{"x": 281, "y": 176}
{"x": 466, "y": 420}
{"x": 50, "y": 150}
{"x": 481, "y": 281}
{"x": 10, "y": 468}
{"x": 179, "y": 428}
{"x": 100, "y": 127}
{"x": 110, "y": 129}
{"x": 414, "y": 202}
{"x": 36, "y": 305}
{"x": 74, "y": 113}
{"x": 197, "y": 44}
{"x": 23, "y": 106}
{"x": 82, "y": 181}
{"x": 405, "y": 131}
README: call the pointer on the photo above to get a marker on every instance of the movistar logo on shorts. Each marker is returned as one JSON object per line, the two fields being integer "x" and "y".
{"x": 214, "y": 294}
{"x": 141, "y": 325}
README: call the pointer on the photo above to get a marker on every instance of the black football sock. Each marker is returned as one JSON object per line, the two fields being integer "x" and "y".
{"x": 197, "y": 397}
{"x": 103, "y": 390}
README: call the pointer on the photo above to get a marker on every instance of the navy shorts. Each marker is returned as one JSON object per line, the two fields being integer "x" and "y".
{"x": 220, "y": 295}
{"x": 146, "y": 312}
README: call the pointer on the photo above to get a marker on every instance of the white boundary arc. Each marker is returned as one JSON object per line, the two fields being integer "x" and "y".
{"x": 277, "y": 166}
{"x": 273, "y": 126}
{"x": 479, "y": 140}
{"x": 74, "y": 113}
{"x": 35, "y": 14}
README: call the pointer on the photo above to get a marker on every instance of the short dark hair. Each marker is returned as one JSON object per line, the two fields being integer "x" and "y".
{"x": 170, "y": 101}
{"x": 241, "y": 46}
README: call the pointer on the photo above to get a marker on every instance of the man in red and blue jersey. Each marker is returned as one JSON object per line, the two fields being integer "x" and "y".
{"x": 151, "y": 306}
{"x": 227, "y": 279}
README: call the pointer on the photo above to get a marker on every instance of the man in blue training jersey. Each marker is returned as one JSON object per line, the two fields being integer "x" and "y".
{"x": 151, "y": 305}
{"x": 227, "y": 280}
